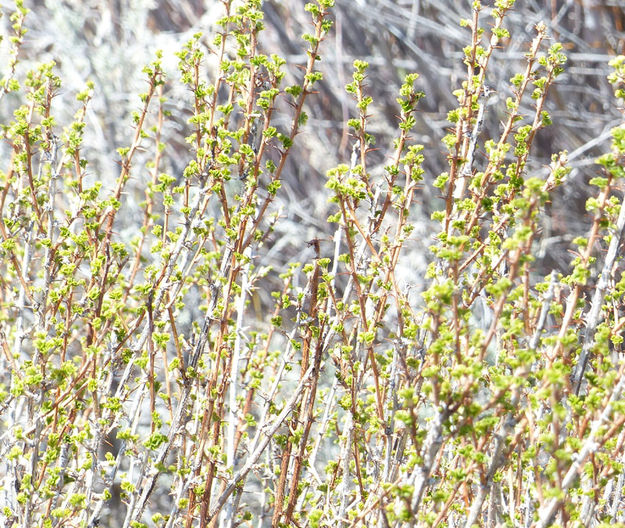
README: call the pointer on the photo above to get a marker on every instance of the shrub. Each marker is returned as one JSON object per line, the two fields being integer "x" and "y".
{"x": 147, "y": 380}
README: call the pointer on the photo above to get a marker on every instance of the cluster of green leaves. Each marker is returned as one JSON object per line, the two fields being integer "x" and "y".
{"x": 476, "y": 408}
{"x": 113, "y": 343}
